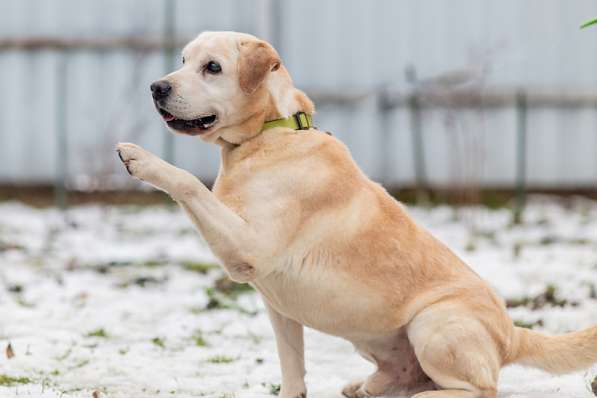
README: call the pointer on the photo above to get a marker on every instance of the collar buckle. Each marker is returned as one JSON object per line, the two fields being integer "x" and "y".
{"x": 302, "y": 121}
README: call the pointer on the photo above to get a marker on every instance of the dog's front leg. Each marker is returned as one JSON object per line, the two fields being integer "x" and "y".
{"x": 289, "y": 339}
{"x": 229, "y": 237}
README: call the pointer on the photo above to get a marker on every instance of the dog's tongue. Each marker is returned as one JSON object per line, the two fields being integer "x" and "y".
{"x": 168, "y": 117}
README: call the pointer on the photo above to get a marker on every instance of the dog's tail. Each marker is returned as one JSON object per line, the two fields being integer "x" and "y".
{"x": 555, "y": 354}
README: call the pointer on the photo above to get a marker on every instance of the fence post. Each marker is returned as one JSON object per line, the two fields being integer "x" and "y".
{"x": 61, "y": 154}
{"x": 416, "y": 128}
{"x": 521, "y": 154}
{"x": 169, "y": 49}
{"x": 385, "y": 110}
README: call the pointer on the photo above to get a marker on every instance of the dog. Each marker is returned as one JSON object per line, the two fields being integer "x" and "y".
{"x": 293, "y": 215}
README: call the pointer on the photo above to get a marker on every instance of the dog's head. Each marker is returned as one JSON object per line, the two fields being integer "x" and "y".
{"x": 223, "y": 89}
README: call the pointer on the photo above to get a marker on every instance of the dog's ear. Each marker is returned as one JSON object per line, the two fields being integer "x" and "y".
{"x": 257, "y": 58}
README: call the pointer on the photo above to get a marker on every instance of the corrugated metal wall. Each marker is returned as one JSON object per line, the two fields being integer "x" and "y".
{"x": 331, "y": 44}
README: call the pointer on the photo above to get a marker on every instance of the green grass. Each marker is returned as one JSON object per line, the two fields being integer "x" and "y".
{"x": 9, "y": 381}
{"x": 194, "y": 266}
{"x": 159, "y": 342}
{"x": 232, "y": 289}
{"x": 220, "y": 359}
{"x": 548, "y": 298}
{"x": 528, "y": 325}
{"x": 221, "y": 301}
{"x": 199, "y": 340}
{"x": 98, "y": 333}
{"x": 274, "y": 389}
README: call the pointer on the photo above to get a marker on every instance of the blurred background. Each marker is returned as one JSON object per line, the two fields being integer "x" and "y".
{"x": 465, "y": 100}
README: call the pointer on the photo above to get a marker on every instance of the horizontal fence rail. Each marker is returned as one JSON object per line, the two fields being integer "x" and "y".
{"x": 486, "y": 97}
{"x": 433, "y": 96}
{"x": 89, "y": 44}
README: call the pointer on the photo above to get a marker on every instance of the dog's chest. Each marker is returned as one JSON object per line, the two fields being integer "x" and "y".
{"x": 320, "y": 297}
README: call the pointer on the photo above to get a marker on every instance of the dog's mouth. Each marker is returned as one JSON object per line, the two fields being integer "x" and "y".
{"x": 194, "y": 126}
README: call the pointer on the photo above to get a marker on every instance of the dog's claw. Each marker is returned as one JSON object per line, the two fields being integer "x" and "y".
{"x": 126, "y": 166}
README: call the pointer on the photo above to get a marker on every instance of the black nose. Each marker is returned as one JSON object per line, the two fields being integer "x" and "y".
{"x": 160, "y": 89}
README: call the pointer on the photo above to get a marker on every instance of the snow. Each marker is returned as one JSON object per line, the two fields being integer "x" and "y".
{"x": 99, "y": 299}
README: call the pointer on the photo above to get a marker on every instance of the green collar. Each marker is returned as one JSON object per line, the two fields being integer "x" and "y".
{"x": 298, "y": 121}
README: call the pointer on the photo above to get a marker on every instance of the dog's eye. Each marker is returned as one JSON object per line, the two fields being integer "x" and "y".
{"x": 183, "y": 60}
{"x": 213, "y": 67}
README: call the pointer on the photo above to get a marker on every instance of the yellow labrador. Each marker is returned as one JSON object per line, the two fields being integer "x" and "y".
{"x": 292, "y": 214}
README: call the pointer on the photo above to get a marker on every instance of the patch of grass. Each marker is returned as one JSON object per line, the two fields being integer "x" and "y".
{"x": 219, "y": 301}
{"x": 552, "y": 239}
{"x": 232, "y": 289}
{"x": 142, "y": 281}
{"x": 548, "y": 297}
{"x": 17, "y": 289}
{"x": 107, "y": 267}
{"x": 220, "y": 359}
{"x": 470, "y": 246}
{"x": 274, "y": 389}
{"x": 199, "y": 340}
{"x": 101, "y": 332}
{"x": 548, "y": 240}
{"x": 9, "y": 381}
{"x": 153, "y": 263}
{"x": 528, "y": 325}
{"x": 80, "y": 364}
{"x": 159, "y": 342}
{"x": 195, "y": 266}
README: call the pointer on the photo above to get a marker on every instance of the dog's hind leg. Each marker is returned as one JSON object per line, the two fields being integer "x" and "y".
{"x": 456, "y": 351}
{"x": 398, "y": 369}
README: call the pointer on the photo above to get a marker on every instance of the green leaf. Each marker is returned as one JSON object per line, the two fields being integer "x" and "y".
{"x": 589, "y": 23}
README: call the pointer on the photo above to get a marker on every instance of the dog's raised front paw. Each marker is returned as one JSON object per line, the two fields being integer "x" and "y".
{"x": 138, "y": 162}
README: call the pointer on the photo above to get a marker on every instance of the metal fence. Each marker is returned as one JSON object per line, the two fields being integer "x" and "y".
{"x": 400, "y": 127}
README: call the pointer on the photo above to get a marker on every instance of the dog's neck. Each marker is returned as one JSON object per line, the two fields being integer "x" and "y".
{"x": 283, "y": 100}
{"x": 280, "y": 99}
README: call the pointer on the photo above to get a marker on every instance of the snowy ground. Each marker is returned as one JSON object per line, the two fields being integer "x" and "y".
{"x": 125, "y": 302}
